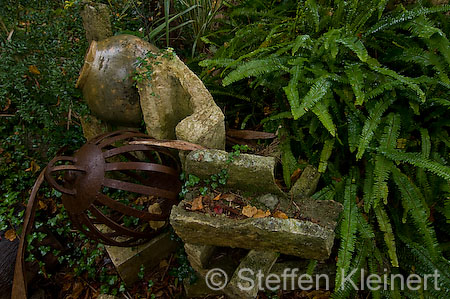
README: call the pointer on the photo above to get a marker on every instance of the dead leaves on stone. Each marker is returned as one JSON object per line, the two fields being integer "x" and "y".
{"x": 231, "y": 205}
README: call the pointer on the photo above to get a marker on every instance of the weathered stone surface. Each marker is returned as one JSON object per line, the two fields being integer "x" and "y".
{"x": 104, "y": 296}
{"x": 270, "y": 201}
{"x": 322, "y": 212}
{"x": 323, "y": 276}
{"x": 176, "y": 103}
{"x": 306, "y": 185}
{"x": 128, "y": 260}
{"x": 96, "y": 21}
{"x": 198, "y": 256}
{"x": 92, "y": 126}
{"x": 301, "y": 238}
{"x": 198, "y": 288}
{"x": 247, "y": 172}
{"x": 256, "y": 262}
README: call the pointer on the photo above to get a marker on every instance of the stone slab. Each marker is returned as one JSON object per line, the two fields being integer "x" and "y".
{"x": 255, "y": 263}
{"x": 246, "y": 172}
{"x": 301, "y": 238}
{"x": 128, "y": 260}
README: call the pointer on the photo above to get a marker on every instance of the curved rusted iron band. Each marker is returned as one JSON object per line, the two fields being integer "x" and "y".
{"x": 115, "y": 205}
{"x": 141, "y": 166}
{"x": 136, "y": 188}
{"x": 119, "y": 137}
{"x": 19, "y": 288}
{"x": 114, "y": 225}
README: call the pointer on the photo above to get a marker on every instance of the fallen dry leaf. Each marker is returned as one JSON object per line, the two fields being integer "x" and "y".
{"x": 42, "y": 205}
{"x": 249, "y": 211}
{"x": 34, "y": 70}
{"x": 228, "y": 197}
{"x": 296, "y": 175}
{"x": 10, "y": 235}
{"x": 281, "y": 215}
{"x": 34, "y": 167}
{"x": 197, "y": 204}
{"x": 218, "y": 210}
{"x": 261, "y": 214}
{"x": 156, "y": 209}
{"x": 163, "y": 264}
{"x": 217, "y": 197}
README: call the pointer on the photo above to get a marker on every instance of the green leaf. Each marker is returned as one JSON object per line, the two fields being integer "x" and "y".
{"x": 426, "y": 143}
{"x": 391, "y": 132}
{"x": 413, "y": 203}
{"x": 316, "y": 93}
{"x": 418, "y": 160}
{"x": 301, "y": 41}
{"x": 292, "y": 89}
{"x": 254, "y": 68}
{"x": 370, "y": 125}
{"x": 356, "y": 78}
{"x": 385, "y": 226}
{"x": 325, "y": 154}
{"x": 347, "y": 231}
{"x": 356, "y": 45}
{"x": 321, "y": 111}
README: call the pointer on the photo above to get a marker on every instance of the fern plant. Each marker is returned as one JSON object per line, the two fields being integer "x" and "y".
{"x": 360, "y": 88}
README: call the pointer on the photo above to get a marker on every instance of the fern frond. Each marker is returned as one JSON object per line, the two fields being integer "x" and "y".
{"x": 316, "y": 93}
{"x": 354, "y": 44}
{"x": 321, "y": 111}
{"x": 287, "y": 159}
{"x": 347, "y": 231}
{"x": 385, "y": 226}
{"x": 344, "y": 290}
{"x": 326, "y": 193}
{"x": 301, "y": 41}
{"x": 291, "y": 90}
{"x": 380, "y": 187}
{"x": 389, "y": 21}
{"x": 371, "y": 125}
{"x": 313, "y": 12}
{"x": 417, "y": 160}
{"x": 219, "y": 62}
{"x": 354, "y": 130}
{"x": 356, "y": 78}
{"x": 413, "y": 203}
{"x": 426, "y": 143}
{"x": 405, "y": 80}
{"x": 325, "y": 154}
{"x": 364, "y": 228}
{"x": 254, "y": 68}
{"x": 390, "y": 85}
{"x": 391, "y": 132}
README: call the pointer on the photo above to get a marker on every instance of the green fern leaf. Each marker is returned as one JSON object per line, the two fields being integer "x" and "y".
{"x": 371, "y": 125}
{"x": 426, "y": 143}
{"x": 391, "y": 132}
{"x": 356, "y": 78}
{"x": 313, "y": 12}
{"x": 354, "y": 130}
{"x": 389, "y": 21}
{"x": 381, "y": 173}
{"x": 413, "y": 202}
{"x": 380, "y": 89}
{"x": 364, "y": 228}
{"x": 325, "y": 154}
{"x": 321, "y": 111}
{"x": 405, "y": 80}
{"x": 301, "y": 41}
{"x": 347, "y": 231}
{"x": 354, "y": 44}
{"x": 292, "y": 89}
{"x": 385, "y": 226}
{"x": 254, "y": 68}
{"x": 219, "y": 62}
{"x": 417, "y": 160}
{"x": 316, "y": 93}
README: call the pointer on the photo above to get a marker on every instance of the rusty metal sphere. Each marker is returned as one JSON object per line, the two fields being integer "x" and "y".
{"x": 109, "y": 165}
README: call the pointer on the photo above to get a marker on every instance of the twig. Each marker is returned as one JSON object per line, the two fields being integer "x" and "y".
{"x": 167, "y": 268}
{"x": 7, "y": 115}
